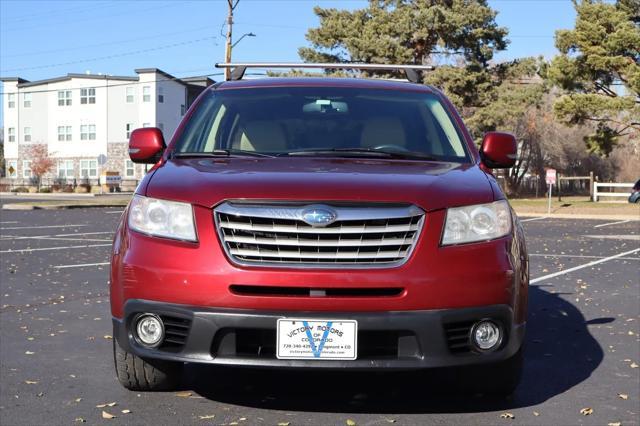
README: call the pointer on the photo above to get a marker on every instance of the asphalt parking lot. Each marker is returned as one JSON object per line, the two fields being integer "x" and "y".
{"x": 56, "y": 362}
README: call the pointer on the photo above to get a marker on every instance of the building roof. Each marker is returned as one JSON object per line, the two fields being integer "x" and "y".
{"x": 18, "y": 79}
{"x": 159, "y": 71}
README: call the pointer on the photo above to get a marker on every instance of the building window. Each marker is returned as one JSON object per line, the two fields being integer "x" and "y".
{"x": 130, "y": 92}
{"x": 64, "y": 97}
{"x": 11, "y": 100}
{"x": 26, "y": 169}
{"x": 64, "y": 133}
{"x": 146, "y": 124}
{"x": 88, "y": 96}
{"x": 65, "y": 168}
{"x": 129, "y": 127}
{"x": 146, "y": 94}
{"x": 88, "y": 168}
{"x": 88, "y": 132}
{"x": 129, "y": 168}
{"x": 12, "y": 168}
{"x": 160, "y": 95}
{"x": 11, "y": 134}
{"x": 182, "y": 109}
{"x": 27, "y": 100}
{"x": 27, "y": 134}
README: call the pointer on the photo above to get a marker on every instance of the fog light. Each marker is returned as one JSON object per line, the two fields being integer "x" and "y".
{"x": 149, "y": 329}
{"x": 486, "y": 335}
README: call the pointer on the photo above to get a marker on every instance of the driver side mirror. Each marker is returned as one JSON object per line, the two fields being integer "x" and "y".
{"x": 146, "y": 145}
{"x": 498, "y": 150}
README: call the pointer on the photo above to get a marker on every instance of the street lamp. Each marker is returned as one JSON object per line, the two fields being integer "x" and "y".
{"x": 241, "y": 37}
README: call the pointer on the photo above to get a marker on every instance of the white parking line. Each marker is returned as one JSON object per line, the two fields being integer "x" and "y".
{"x": 81, "y": 265}
{"x": 53, "y": 248}
{"x": 119, "y": 211}
{"x": 612, "y": 223}
{"x": 41, "y": 227}
{"x": 12, "y": 221}
{"x": 579, "y": 256}
{"x": 586, "y": 265}
{"x": 533, "y": 218}
{"x": 75, "y": 234}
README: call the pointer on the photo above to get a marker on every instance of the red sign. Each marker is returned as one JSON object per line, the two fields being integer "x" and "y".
{"x": 551, "y": 177}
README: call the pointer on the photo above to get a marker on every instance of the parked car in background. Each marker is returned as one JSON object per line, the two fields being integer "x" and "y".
{"x": 320, "y": 223}
{"x": 635, "y": 193}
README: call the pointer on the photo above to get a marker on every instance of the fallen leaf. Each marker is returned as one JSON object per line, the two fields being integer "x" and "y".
{"x": 614, "y": 424}
{"x": 623, "y": 396}
{"x": 184, "y": 394}
{"x": 242, "y": 419}
{"x": 507, "y": 416}
{"x": 586, "y": 411}
{"x": 106, "y": 404}
{"x": 633, "y": 365}
{"x": 31, "y": 382}
{"x": 80, "y": 420}
{"x": 108, "y": 416}
{"x": 535, "y": 413}
{"x": 351, "y": 422}
{"x": 390, "y": 420}
{"x": 107, "y": 336}
{"x": 126, "y": 411}
{"x": 284, "y": 424}
{"x": 78, "y": 399}
{"x": 208, "y": 416}
{"x": 29, "y": 353}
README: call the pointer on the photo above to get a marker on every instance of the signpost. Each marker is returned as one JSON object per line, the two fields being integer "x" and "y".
{"x": 551, "y": 180}
{"x": 102, "y": 160}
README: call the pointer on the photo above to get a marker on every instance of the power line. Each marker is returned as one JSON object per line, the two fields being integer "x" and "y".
{"x": 208, "y": 27}
{"x": 129, "y": 83}
{"x": 116, "y": 55}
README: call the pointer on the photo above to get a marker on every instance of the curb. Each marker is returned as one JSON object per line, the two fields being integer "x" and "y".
{"x": 16, "y": 206}
{"x": 580, "y": 216}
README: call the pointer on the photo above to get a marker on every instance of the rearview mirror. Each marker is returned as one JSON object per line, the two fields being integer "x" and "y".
{"x": 146, "y": 145}
{"x": 498, "y": 150}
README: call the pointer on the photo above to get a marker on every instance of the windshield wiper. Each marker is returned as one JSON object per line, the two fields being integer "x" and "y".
{"x": 409, "y": 155}
{"x": 220, "y": 153}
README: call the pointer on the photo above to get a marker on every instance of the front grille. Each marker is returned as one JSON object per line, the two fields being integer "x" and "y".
{"x": 176, "y": 331}
{"x": 278, "y": 234}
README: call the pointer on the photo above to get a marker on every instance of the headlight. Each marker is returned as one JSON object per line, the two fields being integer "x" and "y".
{"x": 161, "y": 218}
{"x": 477, "y": 223}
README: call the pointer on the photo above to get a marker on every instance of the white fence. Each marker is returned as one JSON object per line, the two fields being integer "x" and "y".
{"x": 597, "y": 193}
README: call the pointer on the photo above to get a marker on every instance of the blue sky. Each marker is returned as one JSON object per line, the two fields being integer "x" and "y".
{"x": 44, "y": 39}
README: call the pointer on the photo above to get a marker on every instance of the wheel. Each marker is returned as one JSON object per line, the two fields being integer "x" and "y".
{"x": 135, "y": 373}
{"x": 499, "y": 379}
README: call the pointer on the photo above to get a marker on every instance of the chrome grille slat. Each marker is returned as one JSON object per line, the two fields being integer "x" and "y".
{"x": 277, "y": 234}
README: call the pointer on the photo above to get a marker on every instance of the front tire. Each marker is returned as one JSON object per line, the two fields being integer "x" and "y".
{"x": 139, "y": 374}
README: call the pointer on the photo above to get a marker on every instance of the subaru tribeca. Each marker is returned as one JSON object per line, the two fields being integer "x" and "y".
{"x": 319, "y": 223}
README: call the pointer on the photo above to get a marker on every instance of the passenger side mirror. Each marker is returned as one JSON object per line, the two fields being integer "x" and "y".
{"x": 146, "y": 145}
{"x": 498, "y": 150}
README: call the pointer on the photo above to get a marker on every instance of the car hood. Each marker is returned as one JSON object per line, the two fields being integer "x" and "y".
{"x": 430, "y": 185}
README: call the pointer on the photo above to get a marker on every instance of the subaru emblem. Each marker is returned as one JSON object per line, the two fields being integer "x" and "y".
{"x": 319, "y": 216}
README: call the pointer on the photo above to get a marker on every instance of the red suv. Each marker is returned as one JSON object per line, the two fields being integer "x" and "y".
{"x": 319, "y": 223}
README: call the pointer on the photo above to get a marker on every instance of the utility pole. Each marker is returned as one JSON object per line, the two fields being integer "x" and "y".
{"x": 227, "y": 56}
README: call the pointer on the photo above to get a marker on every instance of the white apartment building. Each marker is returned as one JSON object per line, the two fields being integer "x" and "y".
{"x": 81, "y": 117}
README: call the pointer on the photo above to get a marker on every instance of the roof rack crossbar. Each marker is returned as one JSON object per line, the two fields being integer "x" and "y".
{"x": 411, "y": 71}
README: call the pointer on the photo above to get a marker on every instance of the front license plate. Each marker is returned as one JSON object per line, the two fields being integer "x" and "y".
{"x": 314, "y": 339}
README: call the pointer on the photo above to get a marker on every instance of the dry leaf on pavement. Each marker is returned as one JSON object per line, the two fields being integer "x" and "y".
{"x": 209, "y": 416}
{"x": 351, "y": 422}
{"x": 623, "y": 396}
{"x": 108, "y": 416}
{"x": 586, "y": 411}
{"x": 507, "y": 416}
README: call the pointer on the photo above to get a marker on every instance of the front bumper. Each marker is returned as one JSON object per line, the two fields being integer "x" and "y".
{"x": 386, "y": 340}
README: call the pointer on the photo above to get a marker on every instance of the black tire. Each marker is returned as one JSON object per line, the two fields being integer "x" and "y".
{"x": 135, "y": 373}
{"x": 500, "y": 379}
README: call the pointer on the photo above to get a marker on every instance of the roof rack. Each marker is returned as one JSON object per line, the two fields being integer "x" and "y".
{"x": 239, "y": 68}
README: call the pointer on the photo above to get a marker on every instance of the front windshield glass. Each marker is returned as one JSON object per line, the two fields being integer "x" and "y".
{"x": 282, "y": 121}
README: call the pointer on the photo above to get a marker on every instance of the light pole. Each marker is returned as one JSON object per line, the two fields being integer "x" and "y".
{"x": 241, "y": 37}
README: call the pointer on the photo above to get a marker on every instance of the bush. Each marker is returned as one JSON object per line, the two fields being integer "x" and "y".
{"x": 67, "y": 188}
{"x": 20, "y": 189}
{"x": 45, "y": 190}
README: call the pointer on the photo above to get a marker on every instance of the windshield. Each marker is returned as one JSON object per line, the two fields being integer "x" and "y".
{"x": 285, "y": 121}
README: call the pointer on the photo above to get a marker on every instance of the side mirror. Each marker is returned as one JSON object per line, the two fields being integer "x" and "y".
{"x": 146, "y": 145}
{"x": 499, "y": 150}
